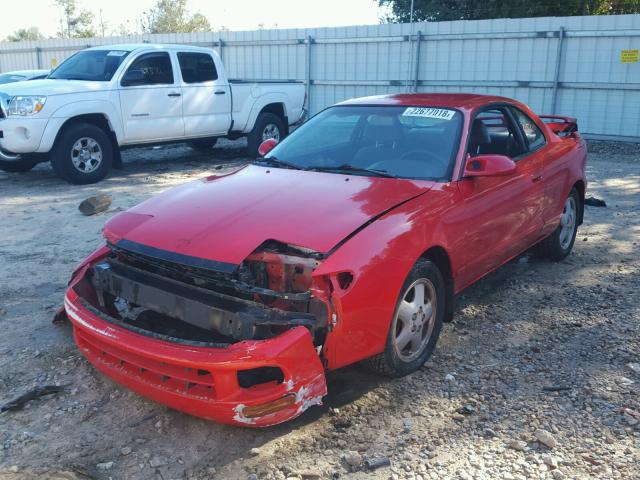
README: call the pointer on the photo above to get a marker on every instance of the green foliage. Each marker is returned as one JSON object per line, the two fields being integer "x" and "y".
{"x": 171, "y": 16}
{"x": 76, "y": 23}
{"x": 440, "y": 10}
{"x": 24, "y": 34}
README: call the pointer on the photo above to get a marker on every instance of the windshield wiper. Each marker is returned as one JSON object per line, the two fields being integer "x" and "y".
{"x": 278, "y": 163}
{"x": 350, "y": 168}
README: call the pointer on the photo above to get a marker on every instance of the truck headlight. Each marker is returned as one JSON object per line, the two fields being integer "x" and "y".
{"x": 26, "y": 105}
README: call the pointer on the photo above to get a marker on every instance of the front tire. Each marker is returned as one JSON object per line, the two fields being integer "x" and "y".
{"x": 416, "y": 323}
{"x": 268, "y": 125}
{"x": 559, "y": 244}
{"x": 82, "y": 154}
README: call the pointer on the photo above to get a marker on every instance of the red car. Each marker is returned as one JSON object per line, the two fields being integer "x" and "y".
{"x": 230, "y": 296}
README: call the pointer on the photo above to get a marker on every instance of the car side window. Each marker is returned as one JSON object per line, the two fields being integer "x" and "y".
{"x": 150, "y": 69}
{"x": 534, "y": 136}
{"x": 197, "y": 67}
{"x": 493, "y": 132}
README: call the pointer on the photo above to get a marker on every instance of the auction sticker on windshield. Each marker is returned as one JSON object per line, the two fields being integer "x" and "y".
{"x": 116, "y": 53}
{"x": 429, "y": 112}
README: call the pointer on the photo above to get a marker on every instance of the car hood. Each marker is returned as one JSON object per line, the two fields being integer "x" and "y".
{"x": 226, "y": 218}
{"x": 51, "y": 87}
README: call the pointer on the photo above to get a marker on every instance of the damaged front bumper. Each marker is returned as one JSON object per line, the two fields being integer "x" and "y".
{"x": 252, "y": 382}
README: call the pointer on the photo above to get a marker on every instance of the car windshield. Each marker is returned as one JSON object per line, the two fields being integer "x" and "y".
{"x": 10, "y": 78}
{"x": 390, "y": 141}
{"x": 93, "y": 65}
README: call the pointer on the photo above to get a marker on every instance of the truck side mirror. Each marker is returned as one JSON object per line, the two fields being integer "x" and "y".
{"x": 266, "y": 146}
{"x": 132, "y": 78}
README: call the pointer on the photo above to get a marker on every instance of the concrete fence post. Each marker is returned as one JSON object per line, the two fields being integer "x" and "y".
{"x": 416, "y": 79}
{"x": 556, "y": 75}
{"x": 39, "y": 57}
{"x": 308, "y": 80}
{"x": 220, "y": 48}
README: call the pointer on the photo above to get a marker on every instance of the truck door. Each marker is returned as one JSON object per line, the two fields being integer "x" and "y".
{"x": 151, "y": 100}
{"x": 206, "y": 97}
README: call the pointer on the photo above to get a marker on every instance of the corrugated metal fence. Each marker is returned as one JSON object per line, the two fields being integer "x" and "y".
{"x": 566, "y": 65}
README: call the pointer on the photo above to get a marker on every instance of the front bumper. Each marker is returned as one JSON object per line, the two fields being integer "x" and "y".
{"x": 21, "y": 134}
{"x": 202, "y": 380}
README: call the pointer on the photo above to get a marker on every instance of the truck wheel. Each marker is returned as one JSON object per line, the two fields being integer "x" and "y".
{"x": 268, "y": 125}
{"x": 559, "y": 244}
{"x": 22, "y": 164}
{"x": 203, "y": 144}
{"x": 416, "y": 323}
{"x": 82, "y": 154}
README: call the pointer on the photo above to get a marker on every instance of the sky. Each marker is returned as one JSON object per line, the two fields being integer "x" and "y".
{"x": 232, "y": 14}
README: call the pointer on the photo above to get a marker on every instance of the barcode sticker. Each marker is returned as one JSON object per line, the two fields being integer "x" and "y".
{"x": 429, "y": 112}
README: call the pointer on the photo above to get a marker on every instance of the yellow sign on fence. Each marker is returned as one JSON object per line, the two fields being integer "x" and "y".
{"x": 629, "y": 56}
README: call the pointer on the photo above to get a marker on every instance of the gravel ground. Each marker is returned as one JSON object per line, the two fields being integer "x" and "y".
{"x": 537, "y": 377}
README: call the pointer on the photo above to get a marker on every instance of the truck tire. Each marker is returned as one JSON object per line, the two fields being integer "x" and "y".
{"x": 268, "y": 125}
{"x": 203, "y": 144}
{"x": 82, "y": 154}
{"x": 22, "y": 164}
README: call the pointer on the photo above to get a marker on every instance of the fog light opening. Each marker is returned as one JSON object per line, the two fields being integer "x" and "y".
{"x": 258, "y": 376}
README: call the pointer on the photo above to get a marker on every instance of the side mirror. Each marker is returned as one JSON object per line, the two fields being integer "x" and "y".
{"x": 132, "y": 78}
{"x": 266, "y": 146}
{"x": 489, "y": 166}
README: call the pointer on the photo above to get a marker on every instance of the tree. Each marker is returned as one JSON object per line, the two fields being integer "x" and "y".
{"x": 439, "y": 10}
{"x": 75, "y": 23}
{"x": 24, "y": 34}
{"x": 171, "y": 16}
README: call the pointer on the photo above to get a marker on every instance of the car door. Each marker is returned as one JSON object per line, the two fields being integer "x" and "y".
{"x": 555, "y": 174}
{"x": 501, "y": 215}
{"x": 151, "y": 100}
{"x": 206, "y": 97}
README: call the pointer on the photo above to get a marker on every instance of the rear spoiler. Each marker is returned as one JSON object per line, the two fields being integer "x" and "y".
{"x": 561, "y": 126}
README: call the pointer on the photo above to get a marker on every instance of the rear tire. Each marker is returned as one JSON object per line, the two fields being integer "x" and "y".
{"x": 268, "y": 125}
{"x": 559, "y": 244}
{"x": 82, "y": 154}
{"x": 418, "y": 317}
{"x": 203, "y": 144}
{"x": 22, "y": 164}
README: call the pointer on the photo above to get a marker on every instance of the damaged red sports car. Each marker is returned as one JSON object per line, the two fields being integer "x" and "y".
{"x": 230, "y": 296}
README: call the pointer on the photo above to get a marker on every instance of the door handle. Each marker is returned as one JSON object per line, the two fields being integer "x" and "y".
{"x": 537, "y": 178}
{"x": 219, "y": 92}
{"x": 173, "y": 94}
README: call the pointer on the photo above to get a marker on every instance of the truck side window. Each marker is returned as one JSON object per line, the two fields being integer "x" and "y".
{"x": 197, "y": 67}
{"x": 150, "y": 69}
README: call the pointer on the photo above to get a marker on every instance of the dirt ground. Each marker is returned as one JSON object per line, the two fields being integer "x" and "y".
{"x": 534, "y": 346}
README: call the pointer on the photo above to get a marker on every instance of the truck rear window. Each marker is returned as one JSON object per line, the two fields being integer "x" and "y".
{"x": 197, "y": 67}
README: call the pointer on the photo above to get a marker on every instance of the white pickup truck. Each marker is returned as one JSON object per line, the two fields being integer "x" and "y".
{"x": 107, "y": 98}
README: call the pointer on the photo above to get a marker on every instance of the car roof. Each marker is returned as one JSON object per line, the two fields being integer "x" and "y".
{"x": 148, "y": 46}
{"x": 465, "y": 101}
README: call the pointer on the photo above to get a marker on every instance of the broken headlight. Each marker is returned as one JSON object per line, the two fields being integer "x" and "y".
{"x": 280, "y": 268}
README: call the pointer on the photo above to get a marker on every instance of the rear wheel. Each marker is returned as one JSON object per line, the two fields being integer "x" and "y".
{"x": 267, "y": 126}
{"x": 559, "y": 244}
{"x": 82, "y": 154}
{"x": 21, "y": 164}
{"x": 203, "y": 144}
{"x": 416, "y": 323}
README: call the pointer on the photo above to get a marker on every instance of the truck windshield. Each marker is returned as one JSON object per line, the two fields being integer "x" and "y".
{"x": 417, "y": 142}
{"x": 93, "y": 65}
